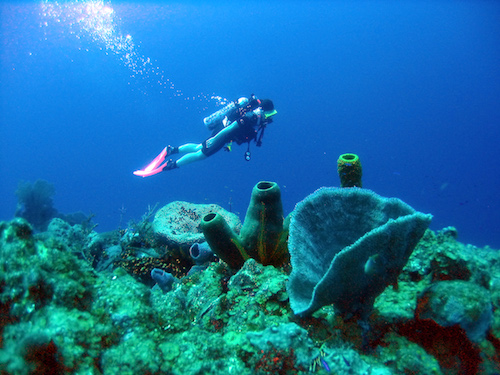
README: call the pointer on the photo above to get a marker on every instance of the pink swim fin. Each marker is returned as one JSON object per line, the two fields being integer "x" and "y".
{"x": 154, "y": 167}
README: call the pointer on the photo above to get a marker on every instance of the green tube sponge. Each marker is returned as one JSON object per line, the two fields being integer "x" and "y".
{"x": 261, "y": 233}
{"x": 349, "y": 170}
{"x": 264, "y": 233}
{"x": 222, "y": 240}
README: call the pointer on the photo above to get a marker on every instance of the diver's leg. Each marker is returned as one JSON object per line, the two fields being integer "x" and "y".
{"x": 190, "y": 147}
{"x": 196, "y": 152}
{"x": 190, "y": 158}
{"x": 193, "y": 153}
{"x": 184, "y": 149}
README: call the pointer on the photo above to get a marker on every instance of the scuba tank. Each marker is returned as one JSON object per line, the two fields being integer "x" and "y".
{"x": 229, "y": 111}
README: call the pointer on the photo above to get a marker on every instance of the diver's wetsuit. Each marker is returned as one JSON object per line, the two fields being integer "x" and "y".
{"x": 245, "y": 124}
{"x": 241, "y": 131}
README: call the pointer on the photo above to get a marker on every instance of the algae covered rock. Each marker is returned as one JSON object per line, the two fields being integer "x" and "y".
{"x": 406, "y": 357}
{"x": 287, "y": 336}
{"x": 439, "y": 256}
{"x": 458, "y": 302}
{"x": 347, "y": 246}
{"x": 72, "y": 237}
{"x": 177, "y": 224}
{"x": 35, "y": 273}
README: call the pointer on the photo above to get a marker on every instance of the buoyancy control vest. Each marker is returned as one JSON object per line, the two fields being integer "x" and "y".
{"x": 251, "y": 128}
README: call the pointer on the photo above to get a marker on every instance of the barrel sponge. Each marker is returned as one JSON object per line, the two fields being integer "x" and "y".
{"x": 346, "y": 246}
{"x": 178, "y": 223}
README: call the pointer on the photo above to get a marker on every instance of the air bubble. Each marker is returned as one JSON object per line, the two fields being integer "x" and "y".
{"x": 95, "y": 19}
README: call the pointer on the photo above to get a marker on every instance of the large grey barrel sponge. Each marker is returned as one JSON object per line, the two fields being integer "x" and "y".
{"x": 346, "y": 246}
{"x": 177, "y": 224}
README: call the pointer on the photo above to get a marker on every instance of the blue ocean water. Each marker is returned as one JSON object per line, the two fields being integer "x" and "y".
{"x": 91, "y": 91}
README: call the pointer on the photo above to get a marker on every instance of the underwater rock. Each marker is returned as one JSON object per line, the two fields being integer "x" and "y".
{"x": 55, "y": 306}
{"x": 450, "y": 232}
{"x": 111, "y": 256}
{"x": 194, "y": 300}
{"x": 286, "y": 336}
{"x": 257, "y": 297}
{"x": 177, "y": 224}
{"x": 347, "y": 246}
{"x": 396, "y": 305}
{"x": 60, "y": 228}
{"x": 73, "y": 237}
{"x": 36, "y": 348}
{"x": 440, "y": 257}
{"x": 103, "y": 250}
{"x": 16, "y": 238}
{"x": 345, "y": 360}
{"x": 406, "y": 357}
{"x": 458, "y": 302}
{"x": 263, "y": 235}
{"x": 35, "y": 273}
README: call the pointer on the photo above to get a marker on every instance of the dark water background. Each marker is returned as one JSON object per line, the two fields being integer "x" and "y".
{"x": 412, "y": 87}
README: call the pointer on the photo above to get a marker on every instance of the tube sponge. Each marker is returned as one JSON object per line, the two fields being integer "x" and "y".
{"x": 264, "y": 232}
{"x": 201, "y": 253}
{"x": 163, "y": 279}
{"x": 222, "y": 240}
{"x": 349, "y": 170}
{"x": 346, "y": 246}
{"x": 263, "y": 235}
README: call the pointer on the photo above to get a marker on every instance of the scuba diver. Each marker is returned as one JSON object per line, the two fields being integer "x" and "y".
{"x": 241, "y": 121}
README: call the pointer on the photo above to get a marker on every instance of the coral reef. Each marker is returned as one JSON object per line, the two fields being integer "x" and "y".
{"x": 263, "y": 235}
{"x": 65, "y": 307}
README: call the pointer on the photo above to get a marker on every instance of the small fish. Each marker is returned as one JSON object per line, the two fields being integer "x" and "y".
{"x": 348, "y": 364}
{"x": 374, "y": 265}
{"x": 325, "y": 365}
